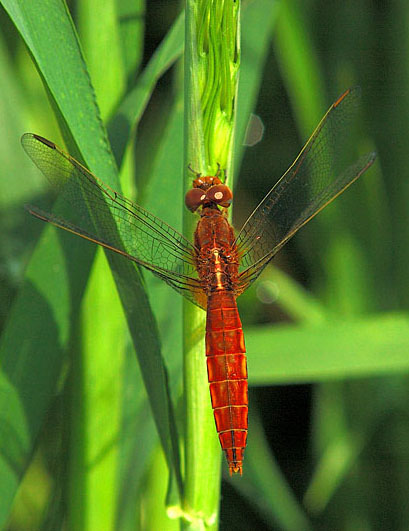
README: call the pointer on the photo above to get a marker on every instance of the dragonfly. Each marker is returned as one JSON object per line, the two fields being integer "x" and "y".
{"x": 218, "y": 265}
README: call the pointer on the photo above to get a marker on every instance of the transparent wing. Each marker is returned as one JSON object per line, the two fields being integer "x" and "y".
{"x": 136, "y": 234}
{"x": 314, "y": 180}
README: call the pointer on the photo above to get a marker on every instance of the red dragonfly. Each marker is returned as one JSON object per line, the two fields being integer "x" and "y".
{"x": 218, "y": 266}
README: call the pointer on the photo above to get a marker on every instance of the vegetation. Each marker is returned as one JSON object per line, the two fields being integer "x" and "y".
{"x": 91, "y": 402}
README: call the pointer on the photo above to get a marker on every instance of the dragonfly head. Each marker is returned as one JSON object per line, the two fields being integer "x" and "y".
{"x": 208, "y": 191}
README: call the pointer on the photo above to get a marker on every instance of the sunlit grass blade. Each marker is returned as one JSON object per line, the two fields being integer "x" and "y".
{"x": 100, "y": 37}
{"x": 95, "y": 428}
{"x": 371, "y": 346}
{"x": 97, "y": 368}
{"x": 77, "y": 110}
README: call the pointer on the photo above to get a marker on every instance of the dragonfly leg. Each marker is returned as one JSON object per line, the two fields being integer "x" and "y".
{"x": 189, "y": 167}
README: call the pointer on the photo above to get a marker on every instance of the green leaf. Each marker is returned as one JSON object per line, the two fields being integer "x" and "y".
{"x": 96, "y": 373}
{"x": 122, "y": 123}
{"x": 131, "y": 20}
{"x": 371, "y": 346}
{"x": 100, "y": 37}
{"x": 53, "y": 288}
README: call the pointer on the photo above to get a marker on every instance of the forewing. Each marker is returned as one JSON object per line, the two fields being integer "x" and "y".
{"x": 312, "y": 182}
{"x": 136, "y": 233}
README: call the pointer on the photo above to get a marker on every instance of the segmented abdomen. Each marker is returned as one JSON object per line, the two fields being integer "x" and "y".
{"x": 227, "y": 371}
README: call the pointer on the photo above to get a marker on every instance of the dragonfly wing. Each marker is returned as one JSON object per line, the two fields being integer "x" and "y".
{"x": 312, "y": 182}
{"x": 105, "y": 217}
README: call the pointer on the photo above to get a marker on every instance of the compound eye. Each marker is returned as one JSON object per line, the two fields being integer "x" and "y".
{"x": 220, "y": 194}
{"x": 194, "y": 198}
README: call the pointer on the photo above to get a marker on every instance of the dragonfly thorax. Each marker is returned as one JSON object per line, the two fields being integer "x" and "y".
{"x": 216, "y": 260}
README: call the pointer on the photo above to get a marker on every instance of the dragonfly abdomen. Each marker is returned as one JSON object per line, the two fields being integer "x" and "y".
{"x": 227, "y": 371}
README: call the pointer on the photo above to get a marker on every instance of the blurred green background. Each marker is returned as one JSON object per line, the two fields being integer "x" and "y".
{"x": 327, "y": 328}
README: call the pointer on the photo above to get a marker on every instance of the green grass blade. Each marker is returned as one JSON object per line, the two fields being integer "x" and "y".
{"x": 371, "y": 346}
{"x": 305, "y": 83}
{"x": 95, "y": 415}
{"x": 14, "y": 112}
{"x": 123, "y": 122}
{"x": 100, "y": 37}
{"x": 137, "y": 442}
{"x": 48, "y": 286}
{"x": 212, "y": 58}
{"x": 70, "y": 88}
{"x": 97, "y": 367}
{"x": 199, "y": 422}
{"x": 131, "y": 20}
{"x": 277, "y": 287}
{"x": 336, "y": 461}
{"x": 299, "y": 67}
{"x": 164, "y": 198}
{"x": 32, "y": 358}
